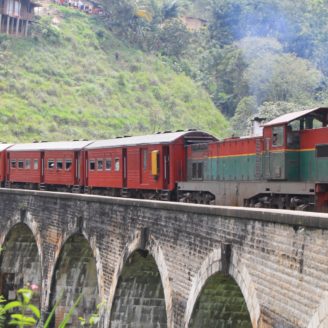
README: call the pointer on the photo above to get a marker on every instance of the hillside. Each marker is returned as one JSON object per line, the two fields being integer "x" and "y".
{"x": 73, "y": 79}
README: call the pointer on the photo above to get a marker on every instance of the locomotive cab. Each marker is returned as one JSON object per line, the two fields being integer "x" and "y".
{"x": 281, "y": 156}
{"x": 283, "y": 139}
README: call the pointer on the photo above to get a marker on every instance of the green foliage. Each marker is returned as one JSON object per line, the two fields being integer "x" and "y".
{"x": 75, "y": 80}
{"x": 53, "y": 311}
{"x": 170, "y": 10}
{"x": 28, "y": 313}
{"x": 271, "y": 110}
{"x": 94, "y": 318}
{"x": 150, "y": 26}
{"x": 2, "y": 311}
{"x": 70, "y": 313}
{"x": 172, "y": 39}
{"x": 275, "y": 51}
{"x": 44, "y": 27}
{"x": 245, "y": 112}
{"x": 282, "y": 78}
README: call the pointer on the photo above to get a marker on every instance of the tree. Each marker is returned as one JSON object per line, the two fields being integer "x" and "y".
{"x": 170, "y": 10}
{"x": 173, "y": 38}
{"x": 242, "y": 121}
{"x": 272, "y": 110}
{"x": 282, "y": 78}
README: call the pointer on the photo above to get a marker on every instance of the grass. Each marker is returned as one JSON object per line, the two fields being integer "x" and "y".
{"x": 65, "y": 82}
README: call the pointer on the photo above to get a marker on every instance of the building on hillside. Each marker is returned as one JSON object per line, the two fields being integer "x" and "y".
{"x": 193, "y": 23}
{"x": 16, "y": 16}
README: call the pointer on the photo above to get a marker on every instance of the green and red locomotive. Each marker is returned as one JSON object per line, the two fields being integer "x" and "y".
{"x": 286, "y": 166}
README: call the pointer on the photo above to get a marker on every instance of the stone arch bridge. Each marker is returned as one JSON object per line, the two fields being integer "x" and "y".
{"x": 157, "y": 264}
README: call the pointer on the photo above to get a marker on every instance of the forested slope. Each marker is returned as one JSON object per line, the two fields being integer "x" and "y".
{"x": 74, "y": 79}
{"x": 254, "y": 57}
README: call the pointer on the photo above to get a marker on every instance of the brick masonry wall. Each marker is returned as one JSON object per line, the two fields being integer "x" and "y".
{"x": 279, "y": 259}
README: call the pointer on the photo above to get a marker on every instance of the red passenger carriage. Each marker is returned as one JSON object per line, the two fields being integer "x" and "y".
{"x": 143, "y": 166}
{"x": 48, "y": 165}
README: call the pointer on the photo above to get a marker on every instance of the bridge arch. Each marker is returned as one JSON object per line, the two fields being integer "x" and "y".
{"x": 27, "y": 219}
{"x": 153, "y": 250}
{"x": 211, "y": 266}
{"x": 96, "y": 253}
{"x": 76, "y": 270}
{"x": 21, "y": 259}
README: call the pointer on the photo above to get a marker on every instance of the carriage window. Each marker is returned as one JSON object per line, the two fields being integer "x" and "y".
{"x": 194, "y": 170}
{"x": 13, "y": 164}
{"x": 92, "y": 165}
{"x": 322, "y": 150}
{"x": 200, "y": 171}
{"x": 278, "y": 136}
{"x": 197, "y": 171}
{"x": 59, "y": 164}
{"x": 145, "y": 156}
{"x": 68, "y": 164}
{"x": 27, "y": 164}
{"x": 20, "y": 164}
{"x": 117, "y": 164}
{"x": 108, "y": 164}
{"x": 100, "y": 165}
{"x": 51, "y": 164}
{"x": 36, "y": 164}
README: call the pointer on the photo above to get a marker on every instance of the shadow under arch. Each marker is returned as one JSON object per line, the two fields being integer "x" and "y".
{"x": 74, "y": 274}
{"x": 155, "y": 265}
{"x": 21, "y": 262}
{"x": 96, "y": 253}
{"x": 238, "y": 282}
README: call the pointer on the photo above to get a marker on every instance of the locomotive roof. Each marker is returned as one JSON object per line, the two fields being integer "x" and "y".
{"x": 294, "y": 116}
{"x": 159, "y": 138}
{"x": 4, "y": 146}
{"x": 40, "y": 146}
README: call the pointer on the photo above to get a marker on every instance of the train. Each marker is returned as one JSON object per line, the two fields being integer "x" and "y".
{"x": 283, "y": 164}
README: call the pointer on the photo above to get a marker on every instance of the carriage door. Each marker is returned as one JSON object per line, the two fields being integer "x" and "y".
{"x": 166, "y": 157}
{"x": 143, "y": 164}
{"x": 77, "y": 167}
{"x": 266, "y": 155}
{"x": 42, "y": 167}
{"x": 86, "y": 168}
{"x": 7, "y": 172}
{"x": 278, "y": 152}
{"x": 125, "y": 168}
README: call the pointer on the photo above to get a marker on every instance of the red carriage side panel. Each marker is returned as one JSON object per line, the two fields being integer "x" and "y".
{"x": 105, "y": 167}
{"x": 83, "y": 166}
{"x": 152, "y": 162}
{"x": 25, "y": 166}
{"x": 2, "y": 165}
{"x": 60, "y": 167}
{"x": 310, "y": 138}
{"x": 177, "y": 163}
{"x": 139, "y": 168}
{"x": 49, "y": 163}
{"x": 3, "y": 161}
